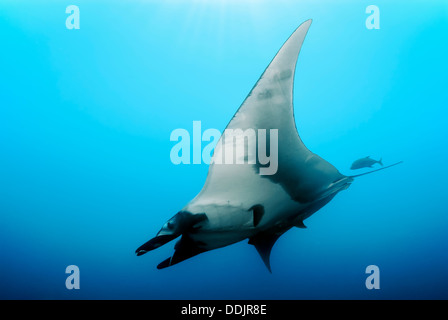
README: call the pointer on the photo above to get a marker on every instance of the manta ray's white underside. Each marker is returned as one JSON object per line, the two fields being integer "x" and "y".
{"x": 302, "y": 177}
{"x": 237, "y": 202}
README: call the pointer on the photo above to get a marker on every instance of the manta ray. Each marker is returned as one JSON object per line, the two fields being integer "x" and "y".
{"x": 236, "y": 201}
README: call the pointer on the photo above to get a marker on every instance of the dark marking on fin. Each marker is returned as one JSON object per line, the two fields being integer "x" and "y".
{"x": 189, "y": 220}
{"x": 195, "y": 220}
{"x": 258, "y": 212}
{"x": 199, "y": 218}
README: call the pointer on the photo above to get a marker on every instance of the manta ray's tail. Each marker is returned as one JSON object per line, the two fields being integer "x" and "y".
{"x": 362, "y": 174}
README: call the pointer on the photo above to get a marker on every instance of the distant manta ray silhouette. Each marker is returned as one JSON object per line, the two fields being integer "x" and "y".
{"x": 238, "y": 203}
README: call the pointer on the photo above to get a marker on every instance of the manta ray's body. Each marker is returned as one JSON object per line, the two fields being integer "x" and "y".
{"x": 237, "y": 202}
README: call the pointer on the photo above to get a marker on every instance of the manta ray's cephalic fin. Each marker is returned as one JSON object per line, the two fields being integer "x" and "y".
{"x": 185, "y": 248}
{"x": 182, "y": 222}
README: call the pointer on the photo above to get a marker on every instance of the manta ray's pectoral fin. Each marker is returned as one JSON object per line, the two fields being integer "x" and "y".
{"x": 258, "y": 212}
{"x": 264, "y": 242}
{"x": 185, "y": 248}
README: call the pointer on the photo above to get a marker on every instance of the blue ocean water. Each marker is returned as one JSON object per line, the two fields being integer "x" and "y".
{"x": 85, "y": 122}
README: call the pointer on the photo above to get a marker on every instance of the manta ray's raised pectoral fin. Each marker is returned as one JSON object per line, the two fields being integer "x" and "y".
{"x": 269, "y": 106}
{"x": 264, "y": 242}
